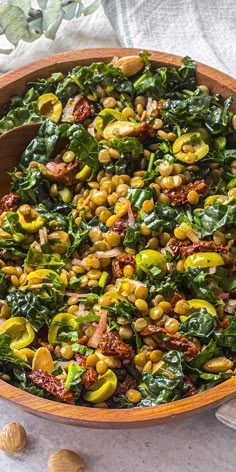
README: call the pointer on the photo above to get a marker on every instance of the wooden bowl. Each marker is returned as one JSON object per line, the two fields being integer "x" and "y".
{"x": 14, "y": 82}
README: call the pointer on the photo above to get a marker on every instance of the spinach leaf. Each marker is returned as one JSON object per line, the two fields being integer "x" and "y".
{"x": 227, "y": 337}
{"x": 162, "y": 215}
{"x": 133, "y": 237}
{"x": 90, "y": 317}
{"x": 84, "y": 145}
{"x": 200, "y": 324}
{"x": 42, "y": 146}
{"x": 213, "y": 217}
{"x": 81, "y": 349}
{"x": 161, "y": 386}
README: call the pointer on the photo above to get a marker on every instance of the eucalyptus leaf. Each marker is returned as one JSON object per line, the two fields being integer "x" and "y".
{"x": 42, "y": 3}
{"x": 25, "y": 5}
{"x": 52, "y": 18}
{"x": 92, "y": 7}
{"x": 70, "y": 10}
{"x": 14, "y": 23}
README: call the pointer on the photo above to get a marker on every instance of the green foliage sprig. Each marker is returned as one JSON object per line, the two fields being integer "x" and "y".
{"x": 19, "y": 20}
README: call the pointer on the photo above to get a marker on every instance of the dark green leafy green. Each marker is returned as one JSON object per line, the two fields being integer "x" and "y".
{"x": 37, "y": 258}
{"x": 162, "y": 385}
{"x": 74, "y": 375}
{"x": 7, "y": 360}
{"x": 162, "y": 215}
{"x": 84, "y": 145}
{"x": 214, "y": 217}
{"x": 200, "y": 324}
{"x": 124, "y": 145}
{"x": 36, "y": 309}
{"x": 42, "y": 146}
{"x": 204, "y": 355}
{"x": 227, "y": 337}
{"x": 137, "y": 196}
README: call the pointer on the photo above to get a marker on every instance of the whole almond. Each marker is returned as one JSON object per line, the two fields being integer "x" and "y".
{"x": 65, "y": 460}
{"x": 13, "y": 438}
{"x": 130, "y": 65}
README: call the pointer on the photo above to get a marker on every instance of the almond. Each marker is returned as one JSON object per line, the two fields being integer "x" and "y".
{"x": 13, "y": 438}
{"x": 65, "y": 460}
{"x": 130, "y": 65}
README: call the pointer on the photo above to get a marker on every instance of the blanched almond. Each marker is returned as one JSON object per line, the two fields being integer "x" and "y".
{"x": 130, "y": 65}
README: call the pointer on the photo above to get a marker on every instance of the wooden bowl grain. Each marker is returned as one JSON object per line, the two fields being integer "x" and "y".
{"x": 14, "y": 82}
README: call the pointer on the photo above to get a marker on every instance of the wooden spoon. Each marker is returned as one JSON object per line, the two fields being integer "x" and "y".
{"x": 12, "y": 146}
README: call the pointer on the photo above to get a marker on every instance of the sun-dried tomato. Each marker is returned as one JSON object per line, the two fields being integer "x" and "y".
{"x": 224, "y": 324}
{"x": 203, "y": 246}
{"x": 174, "y": 245}
{"x": 119, "y": 263}
{"x": 38, "y": 342}
{"x": 111, "y": 345}
{"x": 167, "y": 341}
{"x": 66, "y": 174}
{"x": 189, "y": 387}
{"x": 89, "y": 377}
{"x": 128, "y": 383}
{"x": 83, "y": 109}
{"x": 179, "y": 195}
{"x": 175, "y": 298}
{"x": 9, "y": 202}
{"x": 83, "y": 340}
{"x": 52, "y": 385}
{"x": 120, "y": 226}
{"x": 145, "y": 131}
{"x": 81, "y": 360}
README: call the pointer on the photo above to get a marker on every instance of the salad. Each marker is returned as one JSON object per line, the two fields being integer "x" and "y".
{"x": 117, "y": 237}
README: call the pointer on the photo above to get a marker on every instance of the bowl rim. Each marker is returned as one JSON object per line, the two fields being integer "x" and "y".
{"x": 115, "y": 418}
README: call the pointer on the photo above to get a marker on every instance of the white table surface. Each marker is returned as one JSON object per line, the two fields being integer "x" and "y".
{"x": 198, "y": 444}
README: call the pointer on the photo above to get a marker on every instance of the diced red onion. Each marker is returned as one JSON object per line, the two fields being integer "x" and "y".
{"x": 53, "y": 167}
{"x": 102, "y": 324}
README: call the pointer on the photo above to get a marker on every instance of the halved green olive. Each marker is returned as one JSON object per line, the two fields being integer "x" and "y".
{"x": 204, "y": 259}
{"x": 50, "y": 106}
{"x": 200, "y": 148}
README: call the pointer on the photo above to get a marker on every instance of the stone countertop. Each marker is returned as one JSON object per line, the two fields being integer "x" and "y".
{"x": 200, "y": 444}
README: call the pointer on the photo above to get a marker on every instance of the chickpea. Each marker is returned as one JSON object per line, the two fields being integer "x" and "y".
{"x": 95, "y": 234}
{"x": 156, "y": 355}
{"x": 122, "y": 190}
{"x": 165, "y": 169}
{"x": 177, "y": 179}
{"x": 114, "y": 153}
{"x": 141, "y": 305}
{"x": 164, "y": 199}
{"x": 140, "y": 359}
{"x": 158, "y": 123}
{"x": 182, "y": 307}
{"x": 92, "y": 360}
{"x": 193, "y": 197}
{"x": 134, "y": 396}
{"x": 104, "y": 215}
{"x": 99, "y": 197}
{"x": 172, "y": 325}
{"x": 148, "y": 206}
{"x": 109, "y": 102}
{"x": 68, "y": 156}
{"x": 164, "y": 238}
{"x": 204, "y": 88}
{"x": 166, "y": 306}
{"x": 101, "y": 367}
{"x": 180, "y": 266}
{"x": 126, "y": 332}
{"x": 141, "y": 292}
{"x": 179, "y": 233}
{"x": 153, "y": 243}
{"x": 145, "y": 230}
{"x": 140, "y": 324}
{"x": 104, "y": 156}
{"x": 113, "y": 238}
{"x": 156, "y": 313}
{"x": 66, "y": 351}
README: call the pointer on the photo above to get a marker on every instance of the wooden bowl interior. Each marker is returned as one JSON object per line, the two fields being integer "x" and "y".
{"x": 14, "y": 82}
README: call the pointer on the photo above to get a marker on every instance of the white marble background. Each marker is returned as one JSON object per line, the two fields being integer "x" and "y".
{"x": 198, "y": 444}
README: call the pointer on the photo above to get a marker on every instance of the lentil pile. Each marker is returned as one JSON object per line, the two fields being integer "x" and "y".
{"x": 117, "y": 239}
